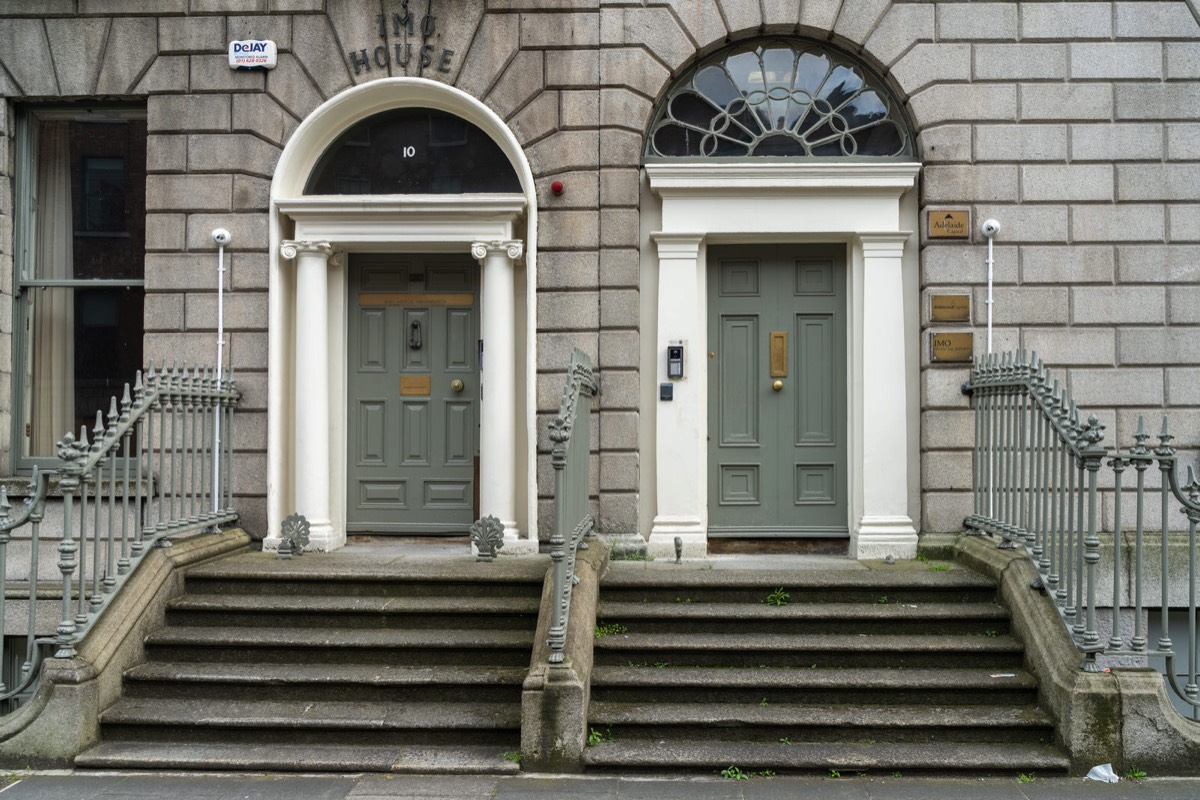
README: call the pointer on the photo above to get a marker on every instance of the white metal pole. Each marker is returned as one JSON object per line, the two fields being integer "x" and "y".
{"x": 989, "y": 229}
{"x": 222, "y": 237}
{"x": 991, "y": 264}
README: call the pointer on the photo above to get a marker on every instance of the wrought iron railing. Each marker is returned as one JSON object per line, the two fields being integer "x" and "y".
{"x": 160, "y": 463}
{"x": 1036, "y": 468}
{"x": 570, "y": 434}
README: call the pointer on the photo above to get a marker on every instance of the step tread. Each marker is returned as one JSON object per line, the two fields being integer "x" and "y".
{"x": 350, "y": 569}
{"x": 615, "y": 609}
{"x": 800, "y": 678}
{"x": 324, "y": 675}
{"x": 804, "y": 715}
{"x": 749, "y": 642}
{"x": 271, "y": 757}
{"x": 304, "y": 714}
{"x": 639, "y": 575}
{"x": 674, "y": 756}
{"x": 341, "y": 604}
{"x": 337, "y": 637}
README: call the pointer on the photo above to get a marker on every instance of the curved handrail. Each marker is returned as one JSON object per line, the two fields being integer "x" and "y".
{"x": 570, "y": 433}
{"x": 162, "y": 433}
{"x": 1036, "y": 466}
{"x": 34, "y": 513}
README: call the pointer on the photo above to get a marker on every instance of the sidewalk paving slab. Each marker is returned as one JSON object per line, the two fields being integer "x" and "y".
{"x": 419, "y": 787}
{"x": 124, "y": 786}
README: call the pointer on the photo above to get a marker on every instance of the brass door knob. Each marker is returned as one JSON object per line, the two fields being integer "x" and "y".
{"x": 777, "y": 386}
{"x": 456, "y": 385}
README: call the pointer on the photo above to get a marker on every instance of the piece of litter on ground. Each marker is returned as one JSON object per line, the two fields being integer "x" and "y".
{"x": 1103, "y": 773}
{"x": 1004, "y": 674}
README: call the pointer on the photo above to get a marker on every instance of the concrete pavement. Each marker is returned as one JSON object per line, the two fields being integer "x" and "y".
{"x": 140, "y": 786}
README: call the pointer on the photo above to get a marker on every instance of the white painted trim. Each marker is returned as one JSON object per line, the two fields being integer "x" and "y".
{"x": 858, "y": 204}
{"x": 387, "y": 223}
{"x": 705, "y": 178}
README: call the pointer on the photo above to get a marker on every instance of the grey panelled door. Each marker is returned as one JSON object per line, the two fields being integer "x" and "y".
{"x": 777, "y": 411}
{"x": 412, "y": 394}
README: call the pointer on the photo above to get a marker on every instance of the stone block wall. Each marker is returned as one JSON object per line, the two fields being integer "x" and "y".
{"x": 1074, "y": 157}
{"x": 1076, "y": 124}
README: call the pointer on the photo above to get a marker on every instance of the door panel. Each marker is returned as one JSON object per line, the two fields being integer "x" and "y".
{"x": 777, "y": 458}
{"x": 738, "y": 411}
{"x": 815, "y": 371}
{"x": 416, "y": 434}
{"x": 412, "y": 394}
{"x": 372, "y": 433}
{"x": 371, "y": 347}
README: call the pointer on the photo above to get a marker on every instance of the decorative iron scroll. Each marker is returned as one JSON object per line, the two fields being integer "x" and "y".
{"x": 294, "y": 536}
{"x": 487, "y": 534}
{"x": 779, "y": 98}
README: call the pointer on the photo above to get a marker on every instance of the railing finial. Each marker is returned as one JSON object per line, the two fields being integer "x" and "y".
{"x": 1141, "y": 437}
{"x": 1164, "y": 441}
{"x": 1092, "y": 434}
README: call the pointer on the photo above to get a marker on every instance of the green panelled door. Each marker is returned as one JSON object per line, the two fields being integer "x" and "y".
{"x": 777, "y": 411}
{"x": 413, "y": 386}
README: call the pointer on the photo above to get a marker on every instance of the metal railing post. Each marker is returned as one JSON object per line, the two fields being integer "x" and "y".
{"x": 1092, "y": 455}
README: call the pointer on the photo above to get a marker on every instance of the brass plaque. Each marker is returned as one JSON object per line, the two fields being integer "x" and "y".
{"x": 950, "y": 308}
{"x": 952, "y": 346}
{"x": 416, "y": 299}
{"x": 779, "y": 358}
{"x": 415, "y": 385}
{"x": 949, "y": 224}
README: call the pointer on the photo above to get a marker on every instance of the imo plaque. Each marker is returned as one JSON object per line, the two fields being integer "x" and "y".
{"x": 950, "y": 308}
{"x": 951, "y": 347}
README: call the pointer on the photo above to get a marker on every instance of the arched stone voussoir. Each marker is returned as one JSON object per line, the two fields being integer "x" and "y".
{"x": 496, "y": 41}
{"x": 26, "y": 55}
{"x": 657, "y": 29}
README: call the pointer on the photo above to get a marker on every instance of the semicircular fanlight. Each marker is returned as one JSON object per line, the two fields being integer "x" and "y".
{"x": 779, "y": 98}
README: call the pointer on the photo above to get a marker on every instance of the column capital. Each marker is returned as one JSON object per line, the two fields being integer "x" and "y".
{"x": 513, "y": 249}
{"x": 884, "y": 244}
{"x": 291, "y": 248}
{"x": 678, "y": 245}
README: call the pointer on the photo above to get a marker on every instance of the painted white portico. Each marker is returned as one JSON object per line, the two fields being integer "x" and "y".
{"x": 859, "y": 204}
{"x": 307, "y": 379}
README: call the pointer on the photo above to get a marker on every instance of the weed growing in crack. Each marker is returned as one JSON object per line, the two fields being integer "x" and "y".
{"x": 733, "y": 773}
{"x": 609, "y": 629}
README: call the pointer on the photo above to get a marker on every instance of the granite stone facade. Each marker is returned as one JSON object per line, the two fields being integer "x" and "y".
{"x": 1076, "y": 124}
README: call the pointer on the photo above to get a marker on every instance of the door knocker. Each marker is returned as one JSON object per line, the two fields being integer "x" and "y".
{"x": 414, "y": 335}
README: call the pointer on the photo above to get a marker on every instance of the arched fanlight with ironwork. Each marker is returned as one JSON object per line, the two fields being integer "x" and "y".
{"x": 779, "y": 98}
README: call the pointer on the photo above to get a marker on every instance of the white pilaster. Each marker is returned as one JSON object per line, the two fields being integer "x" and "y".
{"x": 311, "y": 391}
{"x": 681, "y": 423}
{"x": 885, "y": 528}
{"x": 498, "y": 381}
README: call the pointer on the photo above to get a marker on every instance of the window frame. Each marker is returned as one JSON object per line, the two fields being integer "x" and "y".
{"x": 25, "y": 202}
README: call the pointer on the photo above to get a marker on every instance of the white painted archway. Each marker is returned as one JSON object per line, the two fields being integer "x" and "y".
{"x": 306, "y": 388}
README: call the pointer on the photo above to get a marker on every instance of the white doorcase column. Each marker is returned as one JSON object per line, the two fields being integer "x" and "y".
{"x": 498, "y": 382}
{"x": 885, "y": 528}
{"x": 311, "y": 399}
{"x": 682, "y": 423}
